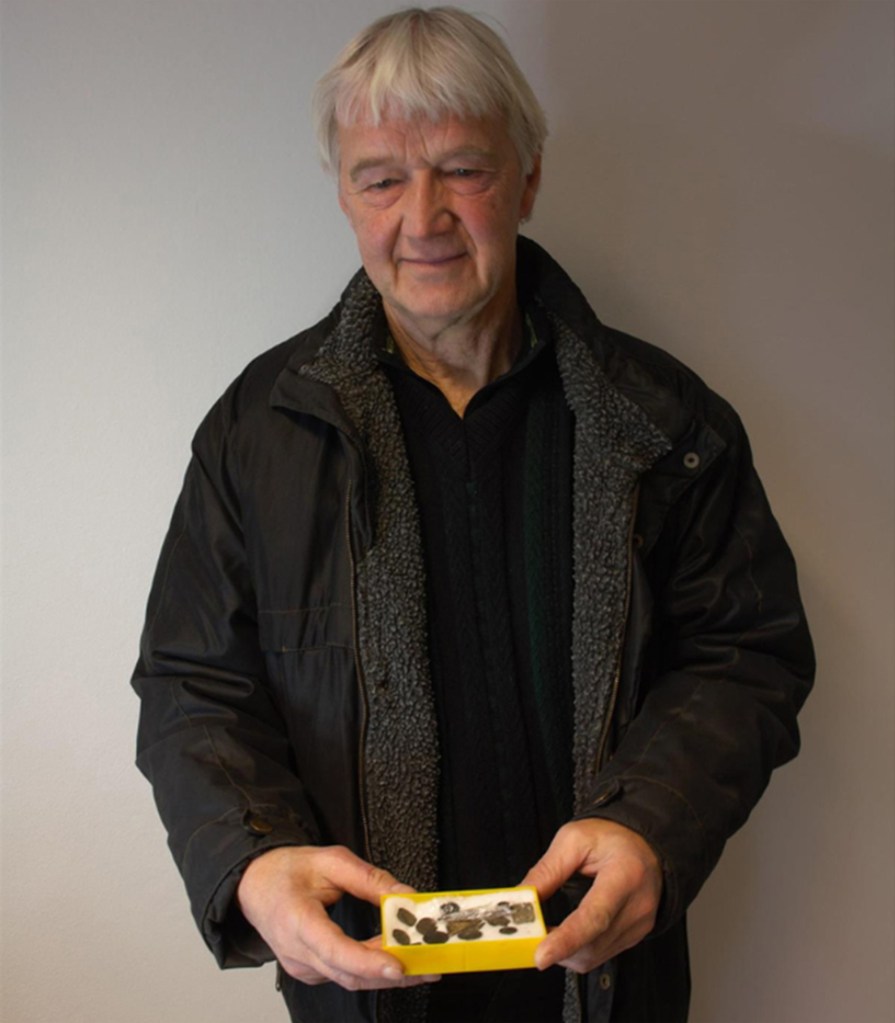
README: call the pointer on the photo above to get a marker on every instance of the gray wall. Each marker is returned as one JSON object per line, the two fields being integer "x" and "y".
{"x": 718, "y": 179}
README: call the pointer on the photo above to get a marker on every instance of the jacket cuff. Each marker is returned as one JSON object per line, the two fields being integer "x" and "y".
{"x": 662, "y": 817}
{"x": 217, "y": 855}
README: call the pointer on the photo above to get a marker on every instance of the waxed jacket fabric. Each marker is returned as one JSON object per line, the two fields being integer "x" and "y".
{"x": 255, "y": 718}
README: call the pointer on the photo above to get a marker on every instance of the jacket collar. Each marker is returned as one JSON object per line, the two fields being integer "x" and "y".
{"x": 640, "y": 372}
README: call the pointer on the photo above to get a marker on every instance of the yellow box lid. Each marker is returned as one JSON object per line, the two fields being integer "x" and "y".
{"x": 465, "y": 931}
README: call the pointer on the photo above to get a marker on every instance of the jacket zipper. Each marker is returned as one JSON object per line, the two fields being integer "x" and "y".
{"x": 361, "y": 684}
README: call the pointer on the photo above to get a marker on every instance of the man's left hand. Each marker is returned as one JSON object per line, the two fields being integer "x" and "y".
{"x": 620, "y": 906}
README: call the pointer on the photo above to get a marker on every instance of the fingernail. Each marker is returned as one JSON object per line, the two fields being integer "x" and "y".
{"x": 392, "y": 973}
{"x": 401, "y": 889}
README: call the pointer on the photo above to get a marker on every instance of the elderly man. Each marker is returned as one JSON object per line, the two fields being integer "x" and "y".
{"x": 464, "y": 589}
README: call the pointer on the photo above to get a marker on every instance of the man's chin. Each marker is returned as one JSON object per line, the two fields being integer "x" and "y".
{"x": 433, "y": 319}
{"x": 433, "y": 311}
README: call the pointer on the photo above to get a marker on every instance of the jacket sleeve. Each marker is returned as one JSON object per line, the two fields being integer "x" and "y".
{"x": 211, "y": 740}
{"x": 727, "y": 666}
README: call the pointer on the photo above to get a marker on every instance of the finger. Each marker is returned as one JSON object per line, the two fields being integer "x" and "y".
{"x": 326, "y": 953}
{"x": 353, "y": 965}
{"x": 349, "y": 873}
{"x": 617, "y": 912}
{"x": 597, "y": 920}
{"x": 562, "y": 859}
{"x": 306, "y": 974}
{"x": 376, "y": 943}
{"x": 330, "y": 952}
{"x": 588, "y": 925}
{"x": 624, "y": 933}
{"x": 612, "y": 942}
{"x": 303, "y": 970}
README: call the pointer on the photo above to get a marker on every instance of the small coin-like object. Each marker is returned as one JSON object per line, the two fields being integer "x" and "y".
{"x": 456, "y": 926}
{"x": 522, "y": 913}
{"x": 470, "y": 934}
{"x": 509, "y": 930}
{"x": 436, "y": 937}
{"x": 402, "y": 937}
{"x": 406, "y": 917}
{"x": 450, "y": 907}
{"x": 497, "y": 919}
{"x": 426, "y": 924}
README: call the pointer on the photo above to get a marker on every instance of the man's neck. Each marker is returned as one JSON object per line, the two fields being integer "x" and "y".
{"x": 460, "y": 360}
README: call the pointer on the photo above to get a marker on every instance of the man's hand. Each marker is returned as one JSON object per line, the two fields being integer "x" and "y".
{"x": 620, "y": 907}
{"x": 284, "y": 894}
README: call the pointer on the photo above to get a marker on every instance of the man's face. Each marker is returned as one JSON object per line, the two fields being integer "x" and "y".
{"x": 435, "y": 208}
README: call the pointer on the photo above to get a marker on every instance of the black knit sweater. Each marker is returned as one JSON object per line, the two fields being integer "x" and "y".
{"x": 494, "y": 492}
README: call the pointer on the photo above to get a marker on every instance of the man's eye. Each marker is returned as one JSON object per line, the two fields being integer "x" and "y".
{"x": 464, "y": 172}
{"x": 381, "y": 186}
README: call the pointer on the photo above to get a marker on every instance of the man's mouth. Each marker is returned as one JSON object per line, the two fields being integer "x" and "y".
{"x": 433, "y": 261}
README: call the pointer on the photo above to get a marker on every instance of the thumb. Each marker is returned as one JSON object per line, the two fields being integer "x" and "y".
{"x": 363, "y": 880}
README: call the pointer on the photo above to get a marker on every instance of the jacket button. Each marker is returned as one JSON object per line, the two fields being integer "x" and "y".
{"x": 691, "y": 460}
{"x": 257, "y": 826}
{"x": 605, "y": 981}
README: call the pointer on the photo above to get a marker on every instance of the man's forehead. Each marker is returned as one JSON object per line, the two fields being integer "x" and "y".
{"x": 363, "y": 142}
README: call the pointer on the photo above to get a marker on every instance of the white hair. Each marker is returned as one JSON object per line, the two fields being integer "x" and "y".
{"x": 429, "y": 63}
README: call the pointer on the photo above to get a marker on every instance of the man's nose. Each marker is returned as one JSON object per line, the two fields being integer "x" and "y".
{"x": 426, "y": 208}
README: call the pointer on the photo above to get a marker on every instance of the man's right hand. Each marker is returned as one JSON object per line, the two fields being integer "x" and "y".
{"x": 284, "y": 894}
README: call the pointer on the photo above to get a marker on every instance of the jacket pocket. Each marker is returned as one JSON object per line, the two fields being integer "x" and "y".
{"x": 305, "y": 629}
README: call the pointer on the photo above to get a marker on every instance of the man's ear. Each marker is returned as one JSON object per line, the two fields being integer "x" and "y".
{"x": 532, "y": 184}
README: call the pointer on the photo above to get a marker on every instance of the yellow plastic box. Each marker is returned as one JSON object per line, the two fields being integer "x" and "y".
{"x": 460, "y": 932}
